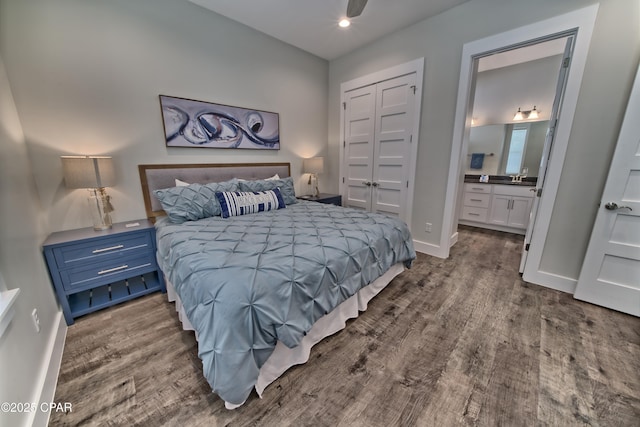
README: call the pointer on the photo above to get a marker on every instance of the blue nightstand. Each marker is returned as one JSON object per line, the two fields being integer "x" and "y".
{"x": 92, "y": 270}
{"x": 330, "y": 199}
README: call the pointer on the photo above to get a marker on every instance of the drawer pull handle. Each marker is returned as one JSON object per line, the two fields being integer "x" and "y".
{"x": 97, "y": 251}
{"x": 479, "y": 189}
{"x": 111, "y": 270}
{"x": 476, "y": 200}
{"x": 473, "y": 214}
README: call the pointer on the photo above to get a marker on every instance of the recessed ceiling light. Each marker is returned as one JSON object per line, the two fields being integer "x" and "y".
{"x": 344, "y": 23}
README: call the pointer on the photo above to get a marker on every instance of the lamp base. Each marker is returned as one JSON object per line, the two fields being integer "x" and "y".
{"x": 100, "y": 206}
{"x": 316, "y": 191}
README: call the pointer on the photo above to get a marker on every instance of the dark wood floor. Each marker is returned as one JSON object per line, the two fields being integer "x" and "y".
{"x": 462, "y": 341}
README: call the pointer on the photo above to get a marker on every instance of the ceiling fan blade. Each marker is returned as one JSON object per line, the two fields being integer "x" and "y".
{"x": 355, "y": 7}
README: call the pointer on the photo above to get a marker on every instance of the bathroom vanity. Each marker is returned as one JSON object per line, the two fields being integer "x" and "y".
{"x": 498, "y": 204}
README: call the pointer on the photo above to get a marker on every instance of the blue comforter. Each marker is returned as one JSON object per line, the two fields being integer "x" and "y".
{"x": 248, "y": 281}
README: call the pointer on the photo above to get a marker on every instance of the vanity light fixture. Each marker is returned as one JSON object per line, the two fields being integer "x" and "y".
{"x": 526, "y": 115}
{"x": 518, "y": 115}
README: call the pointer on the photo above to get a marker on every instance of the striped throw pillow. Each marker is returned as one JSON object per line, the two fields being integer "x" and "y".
{"x": 234, "y": 203}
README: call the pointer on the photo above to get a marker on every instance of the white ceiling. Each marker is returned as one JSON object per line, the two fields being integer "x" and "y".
{"x": 312, "y": 25}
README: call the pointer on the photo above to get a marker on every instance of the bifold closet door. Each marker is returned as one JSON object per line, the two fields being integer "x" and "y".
{"x": 360, "y": 117}
{"x": 377, "y": 143}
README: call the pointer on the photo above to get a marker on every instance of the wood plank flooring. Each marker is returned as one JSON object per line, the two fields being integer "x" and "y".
{"x": 462, "y": 341}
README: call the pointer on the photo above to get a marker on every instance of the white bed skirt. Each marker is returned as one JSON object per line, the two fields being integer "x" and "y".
{"x": 284, "y": 357}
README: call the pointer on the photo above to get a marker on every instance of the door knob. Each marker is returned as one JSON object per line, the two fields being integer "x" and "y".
{"x": 612, "y": 206}
{"x": 375, "y": 184}
{"x": 367, "y": 183}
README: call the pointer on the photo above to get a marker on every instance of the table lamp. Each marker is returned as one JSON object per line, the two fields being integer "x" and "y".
{"x": 93, "y": 173}
{"x": 313, "y": 166}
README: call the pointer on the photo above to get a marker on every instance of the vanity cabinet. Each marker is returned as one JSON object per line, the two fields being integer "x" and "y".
{"x": 477, "y": 198}
{"x": 496, "y": 206}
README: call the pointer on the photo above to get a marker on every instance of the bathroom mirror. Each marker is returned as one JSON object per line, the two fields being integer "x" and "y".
{"x": 506, "y": 149}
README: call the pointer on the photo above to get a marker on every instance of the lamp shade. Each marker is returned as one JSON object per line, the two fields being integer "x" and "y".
{"x": 313, "y": 165}
{"x": 88, "y": 171}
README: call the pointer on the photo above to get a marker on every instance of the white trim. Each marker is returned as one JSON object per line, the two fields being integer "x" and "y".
{"x": 454, "y": 239}
{"x": 583, "y": 20}
{"x": 553, "y": 281}
{"x": 49, "y": 371}
{"x": 416, "y": 66}
{"x": 429, "y": 249}
{"x": 493, "y": 227}
{"x": 7, "y": 300}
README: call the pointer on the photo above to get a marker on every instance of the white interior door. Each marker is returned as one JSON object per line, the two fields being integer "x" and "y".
{"x": 548, "y": 143}
{"x": 359, "y": 126}
{"x": 610, "y": 273}
{"x": 392, "y": 149}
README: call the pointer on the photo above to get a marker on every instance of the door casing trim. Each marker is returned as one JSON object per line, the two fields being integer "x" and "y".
{"x": 582, "y": 20}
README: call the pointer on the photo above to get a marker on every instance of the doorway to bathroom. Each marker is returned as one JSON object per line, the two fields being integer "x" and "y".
{"x": 514, "y": 105}
{"x": 579, "y": 25}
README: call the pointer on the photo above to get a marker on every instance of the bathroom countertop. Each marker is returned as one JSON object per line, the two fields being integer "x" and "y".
{"x": 501, "y": 180}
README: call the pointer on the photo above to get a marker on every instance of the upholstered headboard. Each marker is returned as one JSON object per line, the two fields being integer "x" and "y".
{"x": 154, "y": 177}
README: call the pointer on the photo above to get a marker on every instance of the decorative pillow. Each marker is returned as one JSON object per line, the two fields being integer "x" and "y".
{"x": 194, "y": 201}
{"x": 180, "y": 183}
{"x": 234, "y": 203}
{"x": 285, "y": 185}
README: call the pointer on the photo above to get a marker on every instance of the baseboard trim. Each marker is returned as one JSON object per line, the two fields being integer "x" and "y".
{"x": 454, "y": 239}
{"x": 429, "y": 249}
{"x": 552, "y": 281}
{"x": 49, "y": 371}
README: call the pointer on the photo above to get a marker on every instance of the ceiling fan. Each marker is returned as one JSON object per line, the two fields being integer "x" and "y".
{"x": 355, "y": 7}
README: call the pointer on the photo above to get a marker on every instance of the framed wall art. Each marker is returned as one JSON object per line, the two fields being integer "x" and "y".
{"x": 191, "y": 123}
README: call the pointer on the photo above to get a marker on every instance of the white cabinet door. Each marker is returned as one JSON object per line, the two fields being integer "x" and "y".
{"x": 377, "y": 145}
{"x": 519, "y": 212}
{"x": 359, "y": 126}
{"x": 500, "y": 210}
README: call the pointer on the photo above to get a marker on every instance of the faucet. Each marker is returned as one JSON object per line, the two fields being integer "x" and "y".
{"x": 517, "y": 178}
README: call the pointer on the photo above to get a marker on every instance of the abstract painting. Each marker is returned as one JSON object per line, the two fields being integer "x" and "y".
{"x": 191, "y": 123}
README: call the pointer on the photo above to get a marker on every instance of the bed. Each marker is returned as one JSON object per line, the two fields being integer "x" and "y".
{"x": 261, "y": 286}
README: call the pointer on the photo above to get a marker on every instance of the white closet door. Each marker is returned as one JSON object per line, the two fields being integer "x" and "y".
{"x": 394, "y": 123}
{"x": 610, "y": 273}
{"x": 360, "y": 105}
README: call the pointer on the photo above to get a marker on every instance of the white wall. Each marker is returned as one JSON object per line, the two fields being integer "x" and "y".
{"x": 501, "y": 91}
{"x": 24, "y": 353}
{"x": 611, "y": 64}
{"x": 489, "y": 140}
{"x": 86, "y": 78}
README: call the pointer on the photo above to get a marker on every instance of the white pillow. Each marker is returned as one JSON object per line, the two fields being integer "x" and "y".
{"x": 181, "y": 183}
{"x": 274, "y": 177}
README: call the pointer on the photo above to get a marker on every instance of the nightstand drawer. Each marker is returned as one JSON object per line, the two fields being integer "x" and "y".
{"x": 91, "y": 275}
{"x": 478, "y": 200}
{"x": 111, "y": 248}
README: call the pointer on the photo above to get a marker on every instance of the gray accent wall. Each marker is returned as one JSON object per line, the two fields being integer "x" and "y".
{"x": 24, "y": 353}
{"x": 85, "y": 78}
{"x": 608, "y": 77}
{"x": 87, "y": 75}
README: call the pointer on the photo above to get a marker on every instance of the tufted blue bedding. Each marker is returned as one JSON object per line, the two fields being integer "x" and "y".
{"x": 247, "y": 281}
